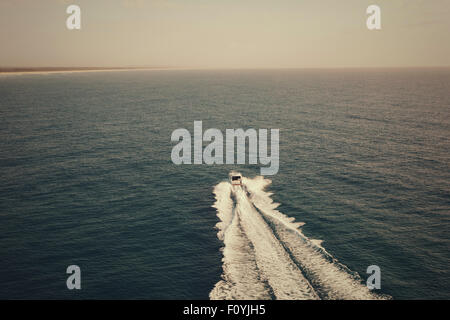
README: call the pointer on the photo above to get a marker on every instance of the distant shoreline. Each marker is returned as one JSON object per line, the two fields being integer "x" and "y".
{"x": 45, "y": 70}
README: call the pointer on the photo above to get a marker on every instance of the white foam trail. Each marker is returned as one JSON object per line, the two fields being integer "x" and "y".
{"x": 266, "y": 256}
{"x": 255, "y": 264}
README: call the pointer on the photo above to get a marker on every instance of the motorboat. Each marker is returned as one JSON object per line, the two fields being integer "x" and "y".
{"x": 236, "y": 179}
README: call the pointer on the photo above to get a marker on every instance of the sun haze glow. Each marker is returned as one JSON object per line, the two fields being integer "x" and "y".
{"x": 225, "y": 33}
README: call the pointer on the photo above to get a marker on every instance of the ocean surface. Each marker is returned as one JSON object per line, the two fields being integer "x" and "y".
{"x": 86, "y": 178}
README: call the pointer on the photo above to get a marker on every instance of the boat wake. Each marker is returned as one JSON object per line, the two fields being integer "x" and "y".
{"x": 266, "y": 256}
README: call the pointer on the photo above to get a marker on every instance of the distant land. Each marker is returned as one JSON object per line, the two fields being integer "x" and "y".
{"x": 71, "y": 69}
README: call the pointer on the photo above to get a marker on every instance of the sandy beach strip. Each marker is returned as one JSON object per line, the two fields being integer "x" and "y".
{"x": 53, "y": 70}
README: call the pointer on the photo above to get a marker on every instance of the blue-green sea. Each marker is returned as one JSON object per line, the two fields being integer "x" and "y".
{"x": 86, "y": 178}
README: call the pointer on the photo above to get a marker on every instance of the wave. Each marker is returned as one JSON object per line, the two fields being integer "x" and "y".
{"x": 266, "y": 256}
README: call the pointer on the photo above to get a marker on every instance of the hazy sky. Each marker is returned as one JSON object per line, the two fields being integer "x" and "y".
{"x": 225, "y": 33}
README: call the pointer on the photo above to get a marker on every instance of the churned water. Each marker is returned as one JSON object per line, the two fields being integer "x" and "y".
{"x": 86, "y": 178}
